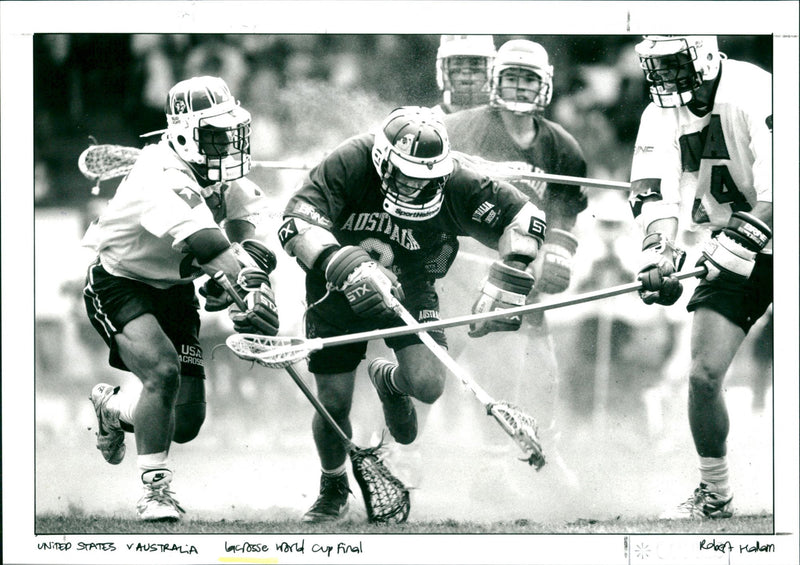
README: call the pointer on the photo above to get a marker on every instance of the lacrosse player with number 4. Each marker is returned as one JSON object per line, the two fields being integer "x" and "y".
{"x": 162, "y": 230}
{"x": 704, "y": 154}
{"x": 373, "y": 225}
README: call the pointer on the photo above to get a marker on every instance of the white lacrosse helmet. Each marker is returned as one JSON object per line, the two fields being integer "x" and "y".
{"x": 411, "y": 153}
{"x": 208, "y": 128}
{"x": 676, "y": 65}
{"x": 522, "y": 77}
{"x": 464, "y": 68}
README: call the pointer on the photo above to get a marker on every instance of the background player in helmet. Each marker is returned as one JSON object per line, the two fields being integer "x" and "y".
{"x": 704, "y": 155}
{"x": 159, "y": 232}
{"x": 463, "y": 71}
{"x": 512, "y": 132}
{"x": 379, "y": 216}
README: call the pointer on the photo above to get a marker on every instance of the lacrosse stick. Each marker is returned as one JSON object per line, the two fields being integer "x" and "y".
{"x": 102, "y": 162}
{"x": 278, "y": 165}
{"x": 520, "y": 426}
{"x": 507, "y": 171}
{"x": 279, "y": 351}
{"x": 386, "y": 498}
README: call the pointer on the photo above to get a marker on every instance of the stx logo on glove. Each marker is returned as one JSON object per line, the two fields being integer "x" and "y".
{"x": 537, "y": 228}
{"x": 353, "y": 294}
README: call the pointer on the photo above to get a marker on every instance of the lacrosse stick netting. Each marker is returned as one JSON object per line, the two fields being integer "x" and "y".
{"x": 104, "y": 162}
{"x": 386, "y": 498}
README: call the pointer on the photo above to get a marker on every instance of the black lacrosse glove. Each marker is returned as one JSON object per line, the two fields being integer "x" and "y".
{"x": 661, "y": 260}
{"x": 249, "y": 253}
{"x": 261, "y": 316}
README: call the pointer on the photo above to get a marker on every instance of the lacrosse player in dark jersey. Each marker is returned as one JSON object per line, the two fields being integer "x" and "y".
{"x": 380, "y": 216}
{"x": 512, "y": 133}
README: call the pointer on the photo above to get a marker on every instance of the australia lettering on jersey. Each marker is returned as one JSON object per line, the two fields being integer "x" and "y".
{"x": 380, "y": 222}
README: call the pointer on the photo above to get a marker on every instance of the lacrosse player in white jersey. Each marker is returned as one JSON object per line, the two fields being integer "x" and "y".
{"x": 463, "y": 71}
{"x": 163, "y": 229}
{"x": 704, "y": 154}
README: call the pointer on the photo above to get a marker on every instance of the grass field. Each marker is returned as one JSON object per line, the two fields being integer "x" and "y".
{"x": 59, "y": 524}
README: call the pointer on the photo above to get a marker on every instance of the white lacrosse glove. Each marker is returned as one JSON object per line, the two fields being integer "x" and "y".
{"x": 553, "y": 267}
{"x": 505, "y": 287}
{"x": 731, "y": 254}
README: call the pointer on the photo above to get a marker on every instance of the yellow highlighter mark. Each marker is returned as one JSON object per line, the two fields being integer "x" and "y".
{"x": 248, "y": 559}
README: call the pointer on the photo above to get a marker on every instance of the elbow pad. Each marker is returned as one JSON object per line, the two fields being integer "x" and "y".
{"x": 305, "y": 241}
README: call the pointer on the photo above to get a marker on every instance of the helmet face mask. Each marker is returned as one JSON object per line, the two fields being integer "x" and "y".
{"x": 208, "y": 129}
{"x": 522, "y": 78}
{"x": 411, "y": 154}
{"x": 463, "y": 69}
{"x": 675, "y": 67}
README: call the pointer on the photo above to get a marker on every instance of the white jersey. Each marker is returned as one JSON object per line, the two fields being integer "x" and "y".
{"x": 142, "y": 232}
{"x": 712, "y": 166}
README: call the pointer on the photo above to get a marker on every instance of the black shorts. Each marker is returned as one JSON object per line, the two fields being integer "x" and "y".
{"x": 742, "y": 303}
{"x": 333, "y": 316}
{"x": 111, "y": 302}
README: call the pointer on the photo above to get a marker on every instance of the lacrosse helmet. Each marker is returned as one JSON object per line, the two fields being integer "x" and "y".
{"x": 522, "y": 77}
{"x": 675, "y": 66}
{"x": 208, "y": 128}
{"x": 463, "y": 69}
{"x": 411, "y": 153}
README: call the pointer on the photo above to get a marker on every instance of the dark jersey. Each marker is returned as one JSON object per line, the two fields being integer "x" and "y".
{"x": 480, "y": 131}
{"x": 343, "y": 194}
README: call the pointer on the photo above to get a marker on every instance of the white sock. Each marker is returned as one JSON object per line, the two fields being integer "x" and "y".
{"x": 125, "y": 401}
{"x": 714, "y": 472}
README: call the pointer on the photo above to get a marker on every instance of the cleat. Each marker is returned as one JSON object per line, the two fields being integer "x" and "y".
{"x": 398, "y": 409}
{"x": 332, "y": 503}
{"x": 704, "y": 504}
{"x": 110, "y": 437}
{"x": 157, "y": 503}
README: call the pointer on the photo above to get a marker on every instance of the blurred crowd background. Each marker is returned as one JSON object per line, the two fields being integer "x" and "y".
{"x": 307, "y": 93}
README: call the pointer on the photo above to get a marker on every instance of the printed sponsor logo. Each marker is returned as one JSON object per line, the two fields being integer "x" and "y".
{"x": 482, "y": 210}
{"x": 288, "y": 231}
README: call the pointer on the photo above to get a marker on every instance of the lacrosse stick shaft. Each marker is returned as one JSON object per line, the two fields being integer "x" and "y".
{"x": 319, "y": 343}
{"x": 445, "y": 358}
{"x": 565, "y": 179}
{"x": 283, "y": 165}
{"x": 298, "y": 380}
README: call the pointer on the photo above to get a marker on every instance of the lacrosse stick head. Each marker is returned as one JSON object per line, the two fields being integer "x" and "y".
{"x": 523, "y": 430}
{"x": 102, "y": 162}
{"x": 386, "y": 498}
{"x": 276, "y": 352}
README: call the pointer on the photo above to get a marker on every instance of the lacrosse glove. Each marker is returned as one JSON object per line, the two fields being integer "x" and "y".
{"x": 731, "y": 254}
{"x": 249, "y": 253}
{"x": 660, "y": 261}
{"x": 370, "y": 288}
{"x": 505, "y": 287}
{"x": 261, "y": 316}
{"x": 553, "y": 266}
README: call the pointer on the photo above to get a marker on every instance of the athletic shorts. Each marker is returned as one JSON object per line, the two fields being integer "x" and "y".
{"x": 333, "y": 316}
{"x": 111, "y": 302}
{"x": 742, "y": 303}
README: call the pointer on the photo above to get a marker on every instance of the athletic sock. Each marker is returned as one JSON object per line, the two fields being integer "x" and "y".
{"x": 124, "y": 401}
{"x": 714, "y": 472}
{"x": 389, "y": 376}
{"x": 153, "y": 462}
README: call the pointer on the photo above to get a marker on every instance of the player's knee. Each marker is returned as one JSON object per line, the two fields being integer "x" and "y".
{"x": 164, "y": 377}
{"x": 189, "y": 419}
{"x": 429, "y": 387}
{"x": 705, "y": 380}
